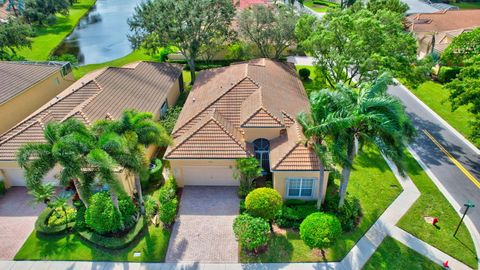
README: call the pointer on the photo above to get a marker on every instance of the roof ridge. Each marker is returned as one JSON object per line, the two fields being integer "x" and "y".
{"x": 81, "y": 106}
{"x": 284, "y": 156}
{"x": 226, "y": 130}
{"x": 19, "y": 132}
{"x": 209, "y": 104}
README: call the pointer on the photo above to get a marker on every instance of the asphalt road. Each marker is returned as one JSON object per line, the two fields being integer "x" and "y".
{"x": 454, "y": 180}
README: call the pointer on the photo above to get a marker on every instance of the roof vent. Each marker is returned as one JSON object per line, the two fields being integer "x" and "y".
{"x": 193, "y": 99}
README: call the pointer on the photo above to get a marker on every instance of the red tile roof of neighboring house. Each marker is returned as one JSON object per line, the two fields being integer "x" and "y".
{"x": 248, "y": 3}
{"x": 445, "y": 20}
{"x": 224, "y": 102}
{"x": 105, "y": 95}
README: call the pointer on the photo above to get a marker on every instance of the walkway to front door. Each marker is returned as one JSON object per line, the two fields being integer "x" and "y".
{"x": 203, "y": 230}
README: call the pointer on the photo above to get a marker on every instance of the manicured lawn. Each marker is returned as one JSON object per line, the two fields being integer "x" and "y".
{"x": 319, "y": 5}
{"x": 392, "y": 254}
{"x": 138, "y": 55}
{"x": 436, "y": 97}
{"x": 467, "y": 5}
{"x": 371, "y": 176}
{"x": 49, "y": 37}
{"x": 153, "y": 248}
{"x": 432, "y": 203}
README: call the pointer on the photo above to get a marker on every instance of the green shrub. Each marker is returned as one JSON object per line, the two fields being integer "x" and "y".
{"x": 168, "y": 191}
{"x": 349, "y": 215}
{"x": 167, "y": 211}
{"x": 151, "y": 207}
{"x": 80, "y": 217}
{"x": 320, "y": 230}
{"x": 57, "y": 217}
{"x": 114, "y": 242}
{"x": 242, "y": 206}
{"x": 264, "y": 203}
{"x": 304, "y": 73}
{"x": 2, "y": 187}
{"x": 41, "y": 224}
{"x": 102, "y": 217}
{"x": 292, "y": 216}
{"x": 169, "y": 120}
{"x": 448, "y": 74}
{"x": 251, "y": 232}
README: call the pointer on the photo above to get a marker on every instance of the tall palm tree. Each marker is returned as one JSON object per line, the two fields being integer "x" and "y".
{"x": 319, "y": 126}
{"x": 370, "y": 115}
{"x": 127, "y": 139}
{"x": 67, "y": 145}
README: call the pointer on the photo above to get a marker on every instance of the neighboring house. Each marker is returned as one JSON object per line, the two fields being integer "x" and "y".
{"x": 105, "y": 94}
{"x": 419, "y": 6}
{"x": 435, "y": 31}
{"x": 246, "y": 109}
{"x": 26, "y": 86}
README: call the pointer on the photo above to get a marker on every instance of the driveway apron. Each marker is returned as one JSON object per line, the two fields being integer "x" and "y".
{"x": 17, "y": 219}
{"x": 203, "y": 229}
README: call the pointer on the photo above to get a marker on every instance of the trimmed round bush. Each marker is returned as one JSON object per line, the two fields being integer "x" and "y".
{"x": 168, "y": 211}
{"x": 102, "y": 217}
{"x": 304, "y": 73}
{"x": 448, "y": 74}
{"x": 319, "y": 230}
{"x": 251, "y": 232}
{"x": 264, "y": 203}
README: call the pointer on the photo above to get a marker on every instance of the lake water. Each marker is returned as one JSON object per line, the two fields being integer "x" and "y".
{"x": 101, "y": 35}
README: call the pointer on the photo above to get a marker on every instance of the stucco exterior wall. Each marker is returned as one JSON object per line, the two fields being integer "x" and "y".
{"x": 177, "y": 166}
{"x": 252, "y": 134}
{"x": 280, "y": 180}
{"x": 30, "y": 100}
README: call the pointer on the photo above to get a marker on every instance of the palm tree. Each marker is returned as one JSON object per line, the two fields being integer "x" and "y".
{"x": 67, "y": 145}
{"x": 43, "y": 193}
{"x": 320, "y": 124}
{"x": 370, "y": 115}
{"x": 127, "y": 139}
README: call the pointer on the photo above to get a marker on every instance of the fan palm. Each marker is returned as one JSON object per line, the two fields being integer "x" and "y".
{"x": 127, "y": 139}
{"x": 66, "y": 144}
{"x": 370, "y": 115}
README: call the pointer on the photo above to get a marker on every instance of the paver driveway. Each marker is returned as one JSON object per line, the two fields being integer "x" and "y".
{"x": 17, "y": 219}
{"x": 203, "y": 230}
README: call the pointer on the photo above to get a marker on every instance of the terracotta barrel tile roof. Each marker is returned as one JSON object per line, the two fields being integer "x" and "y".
{"x": 224, "y": 102}
{"x": 143, "y": 87}
{"x": 446, "y": 20}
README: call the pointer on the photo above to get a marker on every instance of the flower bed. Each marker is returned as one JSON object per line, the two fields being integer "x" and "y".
{"x": 42, "y": 223}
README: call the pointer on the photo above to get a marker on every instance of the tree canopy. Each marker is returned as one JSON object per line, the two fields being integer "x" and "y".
{"x": 187, "y": 25}
{"x": 463, "y": 47}
{"x": 14, "y": 35}
{"x": 465, "y": 90}
{"x": 359, "y": 42}
{"x": 43, "y": 11}
{"x": 271, "y": 29}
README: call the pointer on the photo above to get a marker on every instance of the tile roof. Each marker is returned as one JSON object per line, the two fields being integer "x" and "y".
{"x": 446, "y": 20}
{"x": 16, "y": 77}
{"x": 100, "y": 95}
{"x": 225, "y": 101}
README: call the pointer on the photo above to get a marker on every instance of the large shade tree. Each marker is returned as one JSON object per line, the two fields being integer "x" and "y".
{"x": 126, "y": 141}
{"x": 462, "y": 48}
{"x": 356, "y": 44}
{"x": 271, "y": 29}
{"x": 368, "y": 115}
{"x": 187, "y": 25}
{"x": 44, "y": 11}
{"x": 14, "y": 35}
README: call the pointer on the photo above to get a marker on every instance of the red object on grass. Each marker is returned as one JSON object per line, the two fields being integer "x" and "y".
{"x": 445, "y": 264}
{"x": 435, "y": 221}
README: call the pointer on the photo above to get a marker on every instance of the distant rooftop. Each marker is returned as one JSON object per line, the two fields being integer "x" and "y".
{"x": 418, "y": 6}
{"x": 446, "y": 20}
{"x": 15, "y": 77}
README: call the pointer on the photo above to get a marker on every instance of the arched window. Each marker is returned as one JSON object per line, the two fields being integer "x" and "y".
{"x": 261, "y": 147}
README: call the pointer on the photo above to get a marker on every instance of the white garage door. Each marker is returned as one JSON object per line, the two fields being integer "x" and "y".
{"x": 16, "y": 178}
{"x": 208, "y": 176}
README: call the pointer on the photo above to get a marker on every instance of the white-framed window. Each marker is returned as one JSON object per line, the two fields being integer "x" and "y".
{"x": 164, "y": 109}
{"x": 301, "y": 187}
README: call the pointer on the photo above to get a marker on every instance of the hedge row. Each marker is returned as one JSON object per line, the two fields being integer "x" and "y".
{"x": 114, "y": 242}
{"x": 42, "y": 227}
